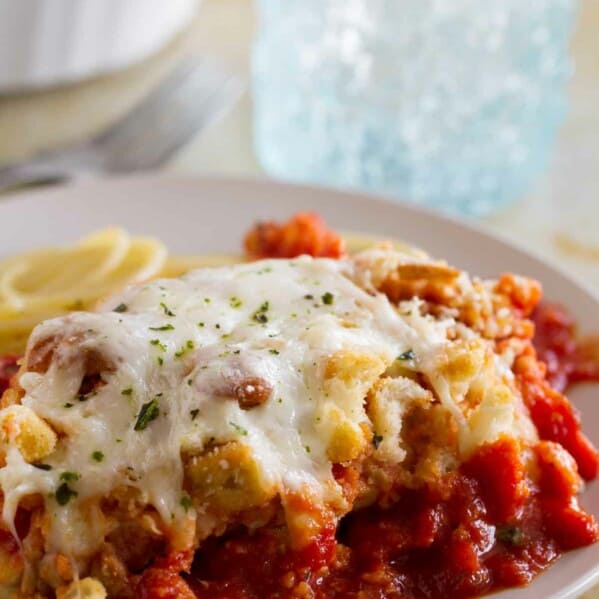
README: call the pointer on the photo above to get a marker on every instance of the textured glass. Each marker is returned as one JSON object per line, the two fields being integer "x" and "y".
{"x": 452, "y": 103}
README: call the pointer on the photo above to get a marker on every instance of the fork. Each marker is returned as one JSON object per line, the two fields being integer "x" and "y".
{"x": 186, "y": 101}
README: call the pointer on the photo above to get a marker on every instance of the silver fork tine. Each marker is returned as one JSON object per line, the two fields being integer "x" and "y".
{"x": 194, "y": 94}
{"x": 184, "y": 102}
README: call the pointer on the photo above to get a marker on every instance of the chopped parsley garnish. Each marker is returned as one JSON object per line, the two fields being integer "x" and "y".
{"x": 327, "y": 298}
{"x": 274, "y": 352}
{"x": 510, "y": 535}
{"x": 201, "y": 324}
{"x": 98, "y": 456}
{"x": 190, "y": 382}
{"x": 149, "y": 411}
{"x": 206, "y": 300}
{"x": 69, "y": 476}
{"x": 158, "y": 343}
{"x": 127, "y": 391}
{"x": 308, "y": 296}
{"x": 407, "y": 355}
{"x": 260, "y": 314}
{"x": 307, "y": 448}
{"x": 235, "y": 302}
{"x": 217, "y": 326}
{"x": 160, "y": 361}
{"x": 164, "y": 327}
{"x": 239, "y": 429}
{"x": 194, "y": 413}
{"x": 121, "y": 308}
{"x": 67, "y": 405}
{"x": 377, "y": 440}
{"x": 186, "y": 502}
{"x": 166, "y": 309}
{"x": 45, "y": 467}
{"x": 189, "y": 344}
{"x": 64, "y": 494}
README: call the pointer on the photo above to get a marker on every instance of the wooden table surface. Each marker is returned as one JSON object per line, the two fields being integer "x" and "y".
{"x": 558, "y": 219}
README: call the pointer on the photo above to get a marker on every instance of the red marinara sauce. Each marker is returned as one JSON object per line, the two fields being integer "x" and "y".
{"x": 480, "y": 529}
{"x": 8, "y": 368}
{"x": 568, "y": 358}
{"x": 303, "y": 233}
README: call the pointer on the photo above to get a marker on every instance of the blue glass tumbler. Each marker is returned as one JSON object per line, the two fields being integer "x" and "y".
{"x": 450, "y": 103}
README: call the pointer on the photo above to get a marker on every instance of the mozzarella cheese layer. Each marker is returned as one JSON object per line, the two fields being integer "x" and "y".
{"x": 178, "y": 357}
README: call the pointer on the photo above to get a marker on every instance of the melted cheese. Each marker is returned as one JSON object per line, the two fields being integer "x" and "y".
{"x": 179, "y": 343}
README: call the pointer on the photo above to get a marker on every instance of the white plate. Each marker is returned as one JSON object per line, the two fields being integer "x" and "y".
{"x": 211, "y": 215}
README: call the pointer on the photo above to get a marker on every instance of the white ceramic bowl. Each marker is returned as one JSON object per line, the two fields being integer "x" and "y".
{"x": 47, "y": 42}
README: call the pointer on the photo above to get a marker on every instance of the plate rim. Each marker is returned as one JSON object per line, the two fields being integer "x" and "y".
{"x": 239, "y": 183}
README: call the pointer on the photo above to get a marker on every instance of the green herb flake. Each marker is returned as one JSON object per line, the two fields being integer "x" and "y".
{"x": 121, "y": 308}
{"x": 98, "y": 456}
{"x": 160, "y": 361}
{"x": 127, "y": 391}
{"x": 45, "y": 467}
{"x": 186, "y": 503}
{"x": 189, "y": 344}
{"x": 158, "y": 343}
{"x": 67, "y": 405}
{"x": 259, "y": 315}
{"x": 377, "y": 440}
{"x": 166, "y": 309}
{"x": 207, "y": 300}
{"x": 235, "y": 302}
{"x": 149, "y": 411}
{"x": 242, "y": 431}
{"x": 201, "y": 324}
{"x": 510, "y": 534}
{"x": 308, "y": 296}
{"x": 274, "y": 352}
{"x": 327, "y": 298}
{"x": 307, "y": 448}
{"x": 64, "y": 494}
{"x": 69, "y": 476}
{"x": 165, "y": 327}
{"x": 407, "y": 355}
{"x": 194, "y": 413}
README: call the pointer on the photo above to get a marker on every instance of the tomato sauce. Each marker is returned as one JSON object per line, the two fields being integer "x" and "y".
{"x": 8, "y": 367}
{"x": 483, "y": 528}
{"x": 303, "y": 233}
{"x": 568, "y": 358}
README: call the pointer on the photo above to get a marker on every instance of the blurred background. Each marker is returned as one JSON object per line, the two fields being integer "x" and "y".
{"x": 486, "y": 112}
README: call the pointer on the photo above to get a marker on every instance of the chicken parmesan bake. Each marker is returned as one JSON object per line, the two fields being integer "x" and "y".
{"x": 307, "y": 424}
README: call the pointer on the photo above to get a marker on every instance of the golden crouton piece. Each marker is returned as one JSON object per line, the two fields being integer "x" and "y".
{"x": 388, "y": 401}
{"x": 88, "y": 588}
{"x": 426, "y": 270}
{"x": 354, "y": 369}
{"x": 348, "y": 377}
{"x": 34, "y": 438}
{"x": 227, "y": 479}
{"x": 464, "y": 360}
